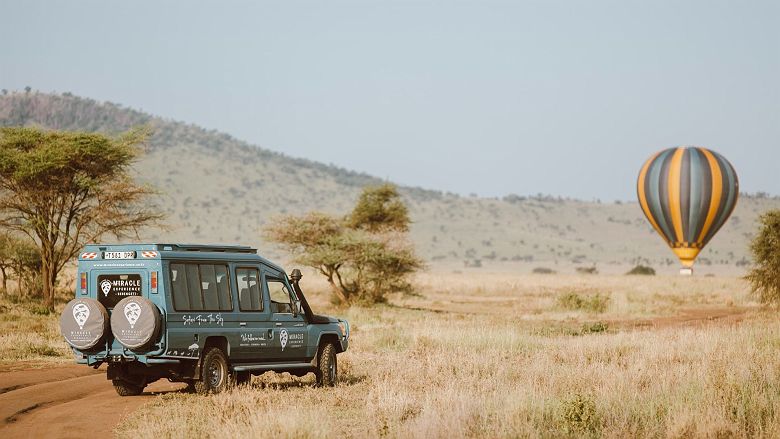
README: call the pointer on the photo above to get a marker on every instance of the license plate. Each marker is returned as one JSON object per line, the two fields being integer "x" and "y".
{"x": 119, "y": 255}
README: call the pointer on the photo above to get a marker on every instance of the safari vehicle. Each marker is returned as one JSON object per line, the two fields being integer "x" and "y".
{"x": 210, "y": 316}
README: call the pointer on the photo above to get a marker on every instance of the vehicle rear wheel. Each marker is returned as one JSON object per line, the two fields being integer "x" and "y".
{"x": 213, "y": 373}
{"x": 327, "y": 372}
{"x": 126, "y": 388}
{"x": 126, "y": 383}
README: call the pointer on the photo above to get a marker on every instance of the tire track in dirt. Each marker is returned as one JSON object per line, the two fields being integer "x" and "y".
{"x": 65, "y": 401}
{"x": 18, "y": 379}
{"x": 690, "y": 317}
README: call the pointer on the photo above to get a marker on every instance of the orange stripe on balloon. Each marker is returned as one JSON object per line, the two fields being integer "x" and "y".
{"x": 643, "y": 196}
{"x": 675, "y": 171}
{"x": 717, "y": 192}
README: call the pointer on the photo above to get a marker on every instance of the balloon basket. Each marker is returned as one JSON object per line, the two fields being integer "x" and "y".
{"x": 685, "y": 271}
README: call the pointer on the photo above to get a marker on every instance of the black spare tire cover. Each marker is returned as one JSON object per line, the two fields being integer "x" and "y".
{"x": 135, "y": 322}
{"x": 84, "y": 323}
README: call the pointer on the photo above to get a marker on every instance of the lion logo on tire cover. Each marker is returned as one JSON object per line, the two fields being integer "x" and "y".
{"x": 80, "y": 314}
{"x": 132, "y": 313}
{"x": 283, "y": 338}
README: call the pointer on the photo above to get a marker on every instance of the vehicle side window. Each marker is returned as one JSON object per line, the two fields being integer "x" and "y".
{"x": 249, "y": 296}
{"x": 181, "y": 300}
{"x": 208, "y": 283}
{"x": 200, "y": 287}
{"x": 280, "y": 296}
{"x": 223, "y": 287}
{"x": 193, "y": 287}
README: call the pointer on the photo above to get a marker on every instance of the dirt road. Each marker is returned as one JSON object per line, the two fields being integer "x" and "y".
{"x": 65, "y": 401}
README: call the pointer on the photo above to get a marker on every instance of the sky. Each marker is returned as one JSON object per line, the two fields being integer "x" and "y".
{"x": 567, "y": 98}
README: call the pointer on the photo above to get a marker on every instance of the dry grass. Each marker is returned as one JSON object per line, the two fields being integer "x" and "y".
{"x": 498, "y": 356}
{"x": 29, "y": 333}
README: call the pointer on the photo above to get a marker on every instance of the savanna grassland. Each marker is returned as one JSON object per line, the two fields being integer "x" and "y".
{"x": 498, "y": 355}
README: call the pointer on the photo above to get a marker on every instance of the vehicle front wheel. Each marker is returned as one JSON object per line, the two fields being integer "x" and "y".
{"x": 213, "y": 373}
{"x": 327, "y": 372}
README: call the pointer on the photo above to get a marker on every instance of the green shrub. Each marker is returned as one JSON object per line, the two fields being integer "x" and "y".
{"x": 642, "y": 270}
{"x": 583, "y": 302}
{"x": 580, "y": 416}
{"x": 595, "y": 328}
{"x": 543, "y": 270}
{"x": 764, "y": 277}
{"x": 39, "y": 309}
{"x": 587, "y": 270}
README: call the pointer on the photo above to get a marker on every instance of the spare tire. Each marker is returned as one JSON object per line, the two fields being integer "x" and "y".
{"x": 135, "y": 322}
{"x": 84, "y": 323}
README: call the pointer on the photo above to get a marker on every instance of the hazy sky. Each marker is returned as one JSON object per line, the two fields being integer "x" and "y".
{"x": 560, "y": 97}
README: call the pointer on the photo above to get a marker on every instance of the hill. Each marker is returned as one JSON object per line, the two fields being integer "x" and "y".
{"x": 216, "y": 188}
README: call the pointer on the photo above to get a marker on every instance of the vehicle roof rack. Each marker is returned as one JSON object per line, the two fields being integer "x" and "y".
{"x": 207, "y": 248}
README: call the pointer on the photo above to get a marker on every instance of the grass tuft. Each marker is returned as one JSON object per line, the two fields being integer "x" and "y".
{"x": 592, "y": 303}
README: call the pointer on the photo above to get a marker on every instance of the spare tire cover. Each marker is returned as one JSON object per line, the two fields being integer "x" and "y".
{"x": 135, "y": 321}
{"x": 84, "y": 323}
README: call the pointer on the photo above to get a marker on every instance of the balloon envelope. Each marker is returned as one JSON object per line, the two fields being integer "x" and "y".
{"x": 687, "y": 194}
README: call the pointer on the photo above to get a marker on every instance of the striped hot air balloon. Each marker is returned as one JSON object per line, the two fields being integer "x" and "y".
{"x": 687, "y": 194}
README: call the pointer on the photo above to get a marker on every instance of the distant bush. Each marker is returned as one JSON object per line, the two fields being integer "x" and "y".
{"x": 543, "y": 270}
{"x": 583, "y": 302}
{"x": 642, "y": 270}
{"x": 587, "y": 270}
{"x": 594, "y": 328}
{"x": 40, "y": 310}
{"x": 475, "y": 263}
{"x": 764, "y": 277}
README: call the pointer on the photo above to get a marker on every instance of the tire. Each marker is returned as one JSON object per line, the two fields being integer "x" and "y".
{"x": 124, "y": 383}
{"x": 327, "y": 367}
{"x": 84, "y": 323}
{"x": 214, "y": 373}
{"x": 124, "y": 388}
{"x": 136, "y": 322}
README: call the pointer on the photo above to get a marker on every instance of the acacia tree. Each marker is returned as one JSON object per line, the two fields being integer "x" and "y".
{"x": 764, "y": 277}
{"x": 64, "y": 189}
{"x": 364, "y": 256}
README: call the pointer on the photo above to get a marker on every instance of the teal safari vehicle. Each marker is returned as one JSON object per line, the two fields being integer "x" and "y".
{"x": 207, "y": 315}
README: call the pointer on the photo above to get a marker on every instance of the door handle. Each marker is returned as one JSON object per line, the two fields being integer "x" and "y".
{"x": 278, "y": 324}
{"x": 242, "y": 324}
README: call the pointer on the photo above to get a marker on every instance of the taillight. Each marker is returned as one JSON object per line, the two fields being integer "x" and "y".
{"x": 83, "y": 283}
{"x": 153, "y": 282}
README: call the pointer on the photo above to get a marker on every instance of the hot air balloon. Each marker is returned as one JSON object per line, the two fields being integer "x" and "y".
{"x": 687, "y": 194}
